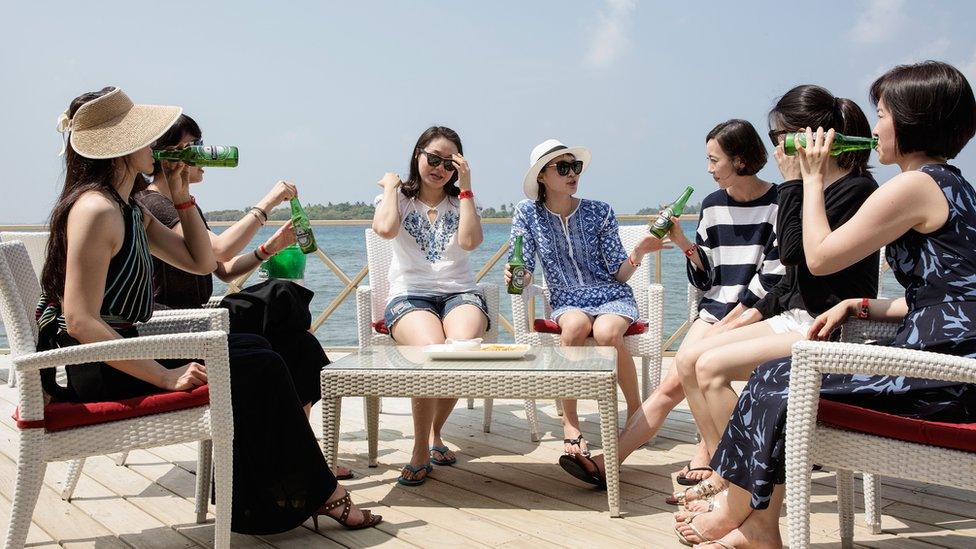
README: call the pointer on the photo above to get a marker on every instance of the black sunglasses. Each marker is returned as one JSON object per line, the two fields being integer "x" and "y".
{"x": 563, "y": 167}
{"x": 774, "y": 134}
{"x": 433, "y": 161}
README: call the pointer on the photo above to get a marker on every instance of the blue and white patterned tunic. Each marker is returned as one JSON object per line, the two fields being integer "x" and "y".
{"x": 580, "y": 257}
{"x": 937, "y": 270}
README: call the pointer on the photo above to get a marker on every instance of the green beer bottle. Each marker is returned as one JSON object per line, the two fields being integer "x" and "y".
{"x": 517, "y": 264}
{"x": 217, "y": 156}
{"x": 660, "y": 226}
{"x": 842, "y": 143}
{"x": 288, "y": 264}
{"x": 302, "y": 226}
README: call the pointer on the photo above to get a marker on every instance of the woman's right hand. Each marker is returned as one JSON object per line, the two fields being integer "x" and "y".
{"x": 829, "y": 321}
{"x": 677, "y": 232}
{"x": 390, "y": 181}
{"x": 281, "y": 239}
{"x": 176, "y": 177}
{"x": 184, "y": 378}
{"x": 281, "y": 192}
{"x": 508, "y": 276}
{"x": 789, "y": 166}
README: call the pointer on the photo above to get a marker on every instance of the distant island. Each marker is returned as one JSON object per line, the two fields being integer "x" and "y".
{"x": 362, "y": 210}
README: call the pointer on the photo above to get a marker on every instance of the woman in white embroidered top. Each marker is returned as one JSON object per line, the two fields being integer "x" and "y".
{"x": 434, "y": 222}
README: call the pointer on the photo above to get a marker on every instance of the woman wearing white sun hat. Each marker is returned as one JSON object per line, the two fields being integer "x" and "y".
{"x": 585, "y": 264}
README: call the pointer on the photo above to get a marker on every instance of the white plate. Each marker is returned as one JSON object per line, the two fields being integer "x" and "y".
{"x": 447, "y": 352}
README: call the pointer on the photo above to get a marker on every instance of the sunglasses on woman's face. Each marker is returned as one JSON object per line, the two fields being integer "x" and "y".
{"x": 433, "y": 161}
{"x": 774, "y": 136}
{"x": 563, "y": 167}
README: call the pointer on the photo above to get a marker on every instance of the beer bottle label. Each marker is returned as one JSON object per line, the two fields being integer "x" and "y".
{"x": 663, "y": 221}
{"x": 518, "y": 277}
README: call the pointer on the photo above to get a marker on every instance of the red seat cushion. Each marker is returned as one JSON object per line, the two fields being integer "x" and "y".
{"x": 547, "y": 326}
{"x": 958, "y": 436}
{"x": 380, "y": 327}
{"x": 59, "y": 416}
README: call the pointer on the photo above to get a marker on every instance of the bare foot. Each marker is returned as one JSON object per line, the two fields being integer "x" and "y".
{"x": 709, "y": 526}
{"x": 438, "y": 455}
{"x": 750, "y": 536}
{"x": 577, "y": 444}
{"x": 342, "y": 472}
{"x": 700, "y": 459}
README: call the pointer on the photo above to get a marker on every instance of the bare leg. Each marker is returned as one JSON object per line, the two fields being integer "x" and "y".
{"x": 462, "y": 322}
{"x": 575, "y": 326}
{"x": 419, "y": 328}
{"x": 686, "y": 361}
{"x": 608, "y": 330}
{"x": 719, "y": 366}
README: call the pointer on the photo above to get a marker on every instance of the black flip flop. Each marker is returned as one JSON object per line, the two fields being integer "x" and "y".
{"x": 685, "y": 481}
{"x": 571, "y": 465}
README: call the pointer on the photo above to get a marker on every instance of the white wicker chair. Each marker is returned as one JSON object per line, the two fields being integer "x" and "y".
{"x": 648, "y": 345}
{"x": 371, "y": 303}
{"x": 168, "y": 337}
{"x": 36, "y": 244}
{"x": 808, "y": 441}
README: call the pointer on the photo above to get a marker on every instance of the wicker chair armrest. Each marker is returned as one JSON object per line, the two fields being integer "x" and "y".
{"x": 655, "y": 309}
{"x": 694, "y": 298}
{"x": 210, "y": 347}
{"x": 857, "y": 330}
{"x": 821, "y": 357}
{"x": 490, "y": 291}
{"x": 186, "y": 320}
{"x": 364, "y": 315}
{"x": 213, "y": 302}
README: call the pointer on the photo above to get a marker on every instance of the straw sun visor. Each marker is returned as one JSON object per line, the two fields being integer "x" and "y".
{"x": 112, "y": 125}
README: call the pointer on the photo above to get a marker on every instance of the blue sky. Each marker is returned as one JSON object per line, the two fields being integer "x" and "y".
{"x": 333, "y": 94}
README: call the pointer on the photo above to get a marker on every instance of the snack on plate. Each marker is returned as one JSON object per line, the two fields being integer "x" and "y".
{"x": 500, "y": 347}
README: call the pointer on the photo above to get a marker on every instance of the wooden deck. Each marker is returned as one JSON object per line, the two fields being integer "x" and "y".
{"x": 504, "y": 492}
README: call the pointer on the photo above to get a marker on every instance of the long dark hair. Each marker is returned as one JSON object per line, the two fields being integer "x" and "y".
{"x": 411, "y": 187}
{"x": 813, "y": 106}
{"x": 80, "y": 176}
{"x": 184, "y": 125}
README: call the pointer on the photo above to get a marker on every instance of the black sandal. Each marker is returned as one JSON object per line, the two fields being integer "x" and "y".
{"x": 572, "y": 465}
{"x": 577, "y": 442}
{"x": 369, "y": 519}
{"x": 684, "y": 481}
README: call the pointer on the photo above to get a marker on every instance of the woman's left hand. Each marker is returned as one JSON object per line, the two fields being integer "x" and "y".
{"x": 463, "y": 171}
{"x": 281, "y": 239}
{"x": 813, "y": 157}
{"x": 177, "y": 180}
{"x": 649, "y": 244}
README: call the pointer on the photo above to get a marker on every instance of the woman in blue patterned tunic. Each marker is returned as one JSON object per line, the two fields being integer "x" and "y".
{"x": 926, "y": 115}
{"x": 585, "y": 264}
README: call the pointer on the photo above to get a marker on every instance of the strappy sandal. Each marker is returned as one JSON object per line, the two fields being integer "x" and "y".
{"x": 413, "y": 470}
{"x": 572, "y": 465}
{"x": 688, "y": 522}
{"x": 702, "y": 490}
{"x": 577, "y": 442}
{"x": 442, "y": 450}
{"x": 369, "y": 519}
{"x": 685, "y": 481}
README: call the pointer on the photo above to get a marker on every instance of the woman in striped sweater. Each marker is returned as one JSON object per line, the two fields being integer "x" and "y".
{"x": 734, "y": 260}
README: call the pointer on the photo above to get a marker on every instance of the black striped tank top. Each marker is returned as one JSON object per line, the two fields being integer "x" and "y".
{"x": 128, "y": 296}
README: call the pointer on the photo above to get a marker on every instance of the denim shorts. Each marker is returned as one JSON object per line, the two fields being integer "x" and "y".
{"x": 439, "y": 305}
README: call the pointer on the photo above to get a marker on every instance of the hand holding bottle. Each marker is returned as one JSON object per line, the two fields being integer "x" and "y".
{"x": 184, "y": 378}
{"x": 283, "y": 191}
{"x": 814, "y": 155}
{"x": 789, "y": 166}
{"x": 527, "y": 278}
{"x": 463, "y": 171}
{"x": 177, "y": 180}
{"x": 281, "y": 239}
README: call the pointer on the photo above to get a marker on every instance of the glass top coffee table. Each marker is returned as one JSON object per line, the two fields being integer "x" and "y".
{"x": 587, "y": 373}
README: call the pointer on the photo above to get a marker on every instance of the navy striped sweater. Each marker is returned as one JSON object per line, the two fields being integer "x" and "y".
{"x": 737, "y": 245}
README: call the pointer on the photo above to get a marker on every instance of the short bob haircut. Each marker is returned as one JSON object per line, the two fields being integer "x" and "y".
{"x": 932, "y": 107}
{"x": 739, "y": 139}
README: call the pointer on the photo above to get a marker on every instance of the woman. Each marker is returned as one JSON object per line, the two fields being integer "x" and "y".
{"x": 275, "y": 309}
{"x": 926, "y": 115}
{"x": 585, "y": 265}
{"x": 781, "y": 318}
{"x": 734, "y": 261}
{"x": 97, "y": 285}
{"x": 434, "y": 223}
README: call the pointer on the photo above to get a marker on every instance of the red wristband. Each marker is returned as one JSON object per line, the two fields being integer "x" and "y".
{"x": 465, "y": 194}
{"x": 632, "y": 261}
{"x": 265, "y": 251}
{"x": 188, "y": 204}
{"x": 865, "y": 309}
{"x": 691, "y": 251}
